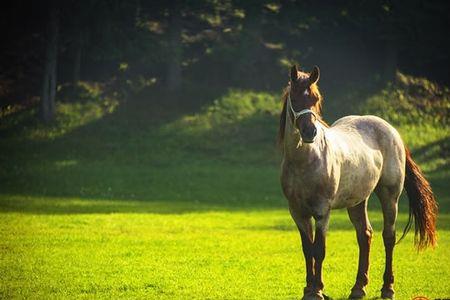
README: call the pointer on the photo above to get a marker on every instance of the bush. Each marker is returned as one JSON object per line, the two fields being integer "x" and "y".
{"x": 411, "y": 101}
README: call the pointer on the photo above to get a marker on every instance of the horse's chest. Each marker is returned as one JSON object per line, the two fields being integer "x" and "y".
{"x": 309, "y": 190}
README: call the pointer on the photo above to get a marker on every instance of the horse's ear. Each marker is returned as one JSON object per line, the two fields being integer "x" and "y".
{"x": 294, "y": 73}
{"x": 315, "y": 74}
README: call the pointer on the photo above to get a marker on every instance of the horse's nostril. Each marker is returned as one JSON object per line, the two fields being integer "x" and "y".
{"x": 311, "y": 131}
{"x": 308, "y": 133}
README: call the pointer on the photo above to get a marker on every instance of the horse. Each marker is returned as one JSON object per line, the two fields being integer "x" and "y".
{"x": 339, "y": 166}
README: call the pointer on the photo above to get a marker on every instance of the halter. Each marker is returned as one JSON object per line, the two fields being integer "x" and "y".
{"x": 297, "y": 114}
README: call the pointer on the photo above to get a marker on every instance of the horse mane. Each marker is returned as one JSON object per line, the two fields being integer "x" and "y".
{"x": 314, "y": 92}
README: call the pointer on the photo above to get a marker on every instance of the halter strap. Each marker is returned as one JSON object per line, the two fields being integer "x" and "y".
{"x": 297, "y": 114}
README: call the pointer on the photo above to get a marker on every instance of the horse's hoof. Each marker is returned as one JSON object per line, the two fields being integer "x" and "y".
{"x": 387, "y": 293}
{"x": 307, "y": 290}
{"x": 325, "y": 297}
{"x": 357, "y": 293}
{"x": 314, "y": 295}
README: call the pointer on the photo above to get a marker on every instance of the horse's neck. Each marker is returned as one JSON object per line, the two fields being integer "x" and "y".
{"x": 296, "y": 150}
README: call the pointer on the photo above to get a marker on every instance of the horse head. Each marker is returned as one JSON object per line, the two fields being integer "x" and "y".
{"x": 304, "y": 100}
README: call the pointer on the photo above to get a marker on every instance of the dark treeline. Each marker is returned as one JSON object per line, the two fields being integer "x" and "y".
{"x": 218, "y": 44}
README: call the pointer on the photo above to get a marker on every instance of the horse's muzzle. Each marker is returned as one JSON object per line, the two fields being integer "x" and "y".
{"x": 308, "y": 141}
{"x": 309, "y": 134}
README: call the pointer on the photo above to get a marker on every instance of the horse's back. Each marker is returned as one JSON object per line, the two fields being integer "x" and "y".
{"x": 378, "y": 135}
{"x": 372, "y": 130}
{"x": 365, "y": 122}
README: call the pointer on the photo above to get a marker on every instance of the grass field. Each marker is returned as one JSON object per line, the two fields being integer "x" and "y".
{"x": 138, "y": 201}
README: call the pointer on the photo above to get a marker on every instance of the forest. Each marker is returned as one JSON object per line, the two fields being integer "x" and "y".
{"x": 131, "y": 46}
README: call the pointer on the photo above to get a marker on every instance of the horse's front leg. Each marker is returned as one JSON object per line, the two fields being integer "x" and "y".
{"x": 304, "y": 225}
{"x": 319, "y": 252}
{"x": 358, "y": 216}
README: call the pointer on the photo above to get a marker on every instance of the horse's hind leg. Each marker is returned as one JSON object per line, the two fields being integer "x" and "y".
{"x": 358, "y": 216}
{"x": 388, "y": 196}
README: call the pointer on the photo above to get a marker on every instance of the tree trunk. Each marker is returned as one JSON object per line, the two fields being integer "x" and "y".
{"x": 137, "y": 13}
{"x": 50, "y": 76}
{"x": 390, "y": 61}
{"x": 247, "y": 71}
{"x": 77, "y": 58}
{"x": 174, "y": 63}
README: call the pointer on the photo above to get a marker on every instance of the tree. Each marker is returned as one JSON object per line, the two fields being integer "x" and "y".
{"x": 51, "y": 60}
{"x": 174, "y": 63}
{"x": 250, "y": 60}
{"x": 79, "y": 42}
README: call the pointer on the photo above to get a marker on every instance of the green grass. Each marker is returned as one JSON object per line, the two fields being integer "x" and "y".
{"x": 132, "y": 249}
{"x": 148, "y": 200}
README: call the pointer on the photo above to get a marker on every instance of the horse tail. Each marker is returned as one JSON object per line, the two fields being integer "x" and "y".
{"x": 422, "y": 206}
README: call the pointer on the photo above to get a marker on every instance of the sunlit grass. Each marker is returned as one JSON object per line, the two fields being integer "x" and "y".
{"x": 70, "y": 116}
{"x": 91, "y": 105}
{"x": 133, "y": 250}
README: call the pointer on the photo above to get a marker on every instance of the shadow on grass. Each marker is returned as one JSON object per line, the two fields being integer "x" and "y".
{"x": 340, "y": 221}
{"x": 128, "y": 162}
{"x": 429, "y": 152}
{"x": 131, "y": 155}
{"x": 55, "y": 206}
{"x": 68, "y": 206}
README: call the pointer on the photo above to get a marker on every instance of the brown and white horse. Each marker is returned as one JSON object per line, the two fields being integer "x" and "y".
{"x": 339, "y": 166}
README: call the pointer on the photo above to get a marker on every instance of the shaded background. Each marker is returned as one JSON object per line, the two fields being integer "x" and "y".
{"x": 134, "y": 45}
